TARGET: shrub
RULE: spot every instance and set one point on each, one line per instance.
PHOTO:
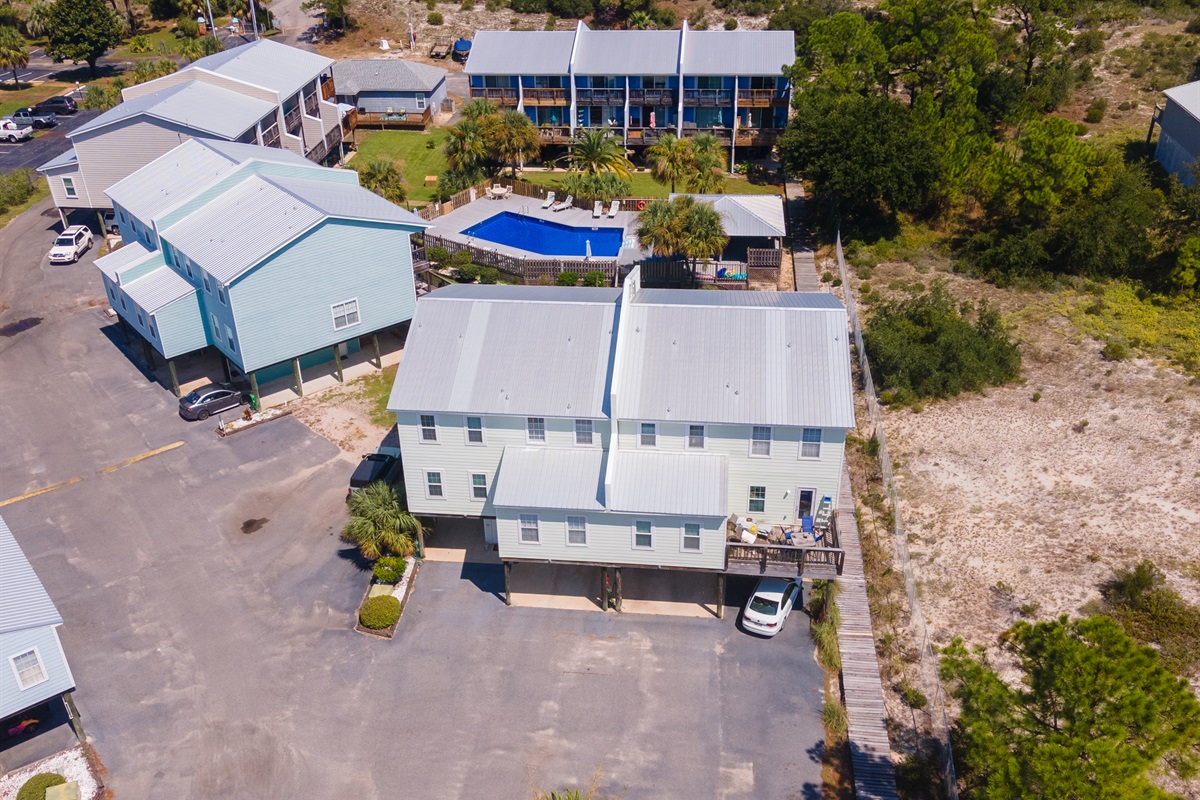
(1095, 112)
(551, 22)
(438, 255)
(1088, 42)
(1150, 611)
(594, 278)
(1036, 396)
(139, 44)
(467, 5)
(1116, 350)
(16, 187)
(389, 569)
(836, 282)
(924, 346)
(730, 24)
(912, 696)
(379, 612)
(1193, 26)
(826, 276)
(435, 18)
(568, 279)
(833, 716)
(35, 788)
(489, 275)
(186, 28)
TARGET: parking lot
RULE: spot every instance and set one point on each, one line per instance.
(209, 603)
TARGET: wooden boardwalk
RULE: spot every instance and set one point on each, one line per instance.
(804, 262)
(870, 752)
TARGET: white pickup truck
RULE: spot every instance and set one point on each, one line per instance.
(12, 132)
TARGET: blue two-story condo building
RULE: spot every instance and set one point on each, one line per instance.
(639, 83)
(274, 261)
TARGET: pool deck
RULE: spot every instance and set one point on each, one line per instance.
(451, 226)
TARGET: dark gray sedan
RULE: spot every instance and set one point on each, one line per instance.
(208, 400)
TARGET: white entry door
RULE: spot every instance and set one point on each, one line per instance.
(489, 530)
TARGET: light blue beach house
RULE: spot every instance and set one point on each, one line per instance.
(277, 263)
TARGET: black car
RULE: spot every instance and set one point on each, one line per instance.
(208, 400)
(59, 105)
(373, 467)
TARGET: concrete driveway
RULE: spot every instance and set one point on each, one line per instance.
(209, 603)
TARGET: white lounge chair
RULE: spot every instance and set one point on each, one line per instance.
(549, 200)
(564, 205)
(614, 208)
(598, 210)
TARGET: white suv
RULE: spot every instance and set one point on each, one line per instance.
(71, 244)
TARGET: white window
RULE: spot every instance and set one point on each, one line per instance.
(187, 267)
(758, 499)
(691, 537)
(433, 485)
(760, 441)
(583, 431)
(141, 321)
(229, 338)
(345, 314)
(478, 486)
(420, 102)
(695, 437)
(810, 443)
(207, 287)
(221, 293)
(428, 428)
(577, 531)
(216, 326)
(474, 430)
(69, 187)
(643, 534)
(649, 435)
(529, 529)
(28, 668)
(535, 429)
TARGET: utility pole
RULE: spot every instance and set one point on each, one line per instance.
(212, 23)
(254, 18)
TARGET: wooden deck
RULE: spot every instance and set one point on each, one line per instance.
(804, 261)
(870, 751)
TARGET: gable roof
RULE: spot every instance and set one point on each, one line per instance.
(740, 52)
(67, 158)
(125, 256)
(182, 171)
(279, 67)
(757, 215)
(1186, 97)
(216, 236)
(24, 602)
(520, 53)
(542, 351)
(192, 104)
(356, 75)
(623, 52)
(158, 288)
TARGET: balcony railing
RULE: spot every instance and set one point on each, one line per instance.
(405, 120)
(291, 121)
(756, 137)
(762, 98)
(652, 97)
(823, 560)
(554, 134)
(270, 136)
(600, 97)
(546, 97)
(708, 98)
(310, 105)
(327, 89)
(504, 97)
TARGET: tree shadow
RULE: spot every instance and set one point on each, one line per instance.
(355, 557)
(487, 578)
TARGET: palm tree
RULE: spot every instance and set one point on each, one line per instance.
(384, 179)
(670, 160)
(37, 19)
(479, 108)
(707, 165)
(595, 150)
(465, 145)
(640, 20)
(380, 522)
(702, 232)
(514, 138)
(658, 228)
(14, 54)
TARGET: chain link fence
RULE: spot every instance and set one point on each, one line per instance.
(937, 713)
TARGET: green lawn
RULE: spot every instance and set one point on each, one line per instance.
(40, 193)
(645, 186)
(165, 36)
(411, 152)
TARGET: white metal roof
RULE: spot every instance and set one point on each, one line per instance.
(158, 288)
(279, 67)
(762, 53)
(196, 105)
(356, 75)
(170, 178)
(520, 53)
(735, 364)
(689, 297)
(627, 52)
(668, 483)
(540, 353)
(756, 215)
(121, 259)
(67, 158)
(547, 477)
(1186, 97)
(24, 602)
(236, 230)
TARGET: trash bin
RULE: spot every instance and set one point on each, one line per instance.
(254, 402)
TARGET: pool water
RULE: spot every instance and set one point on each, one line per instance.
(547, 238)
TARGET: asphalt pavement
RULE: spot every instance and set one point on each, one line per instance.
(47, 144)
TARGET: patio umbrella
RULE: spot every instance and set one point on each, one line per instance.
(587, 246)
(653, 118)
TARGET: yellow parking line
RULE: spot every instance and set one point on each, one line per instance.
(36, 492)
(136, 459)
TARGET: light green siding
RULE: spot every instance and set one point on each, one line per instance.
(181, 326)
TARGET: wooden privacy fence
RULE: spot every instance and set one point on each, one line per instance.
(527, 270)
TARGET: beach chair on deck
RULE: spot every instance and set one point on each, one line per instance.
(598, 210)
(564, 205)
(549, 200)
(612, 210)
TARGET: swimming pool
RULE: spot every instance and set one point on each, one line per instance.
(547, 238)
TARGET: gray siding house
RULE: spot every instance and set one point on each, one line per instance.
(1179, 131)
(626, 427)
(257, 252)
(389, 85)
(262, 93)
(36, 668)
